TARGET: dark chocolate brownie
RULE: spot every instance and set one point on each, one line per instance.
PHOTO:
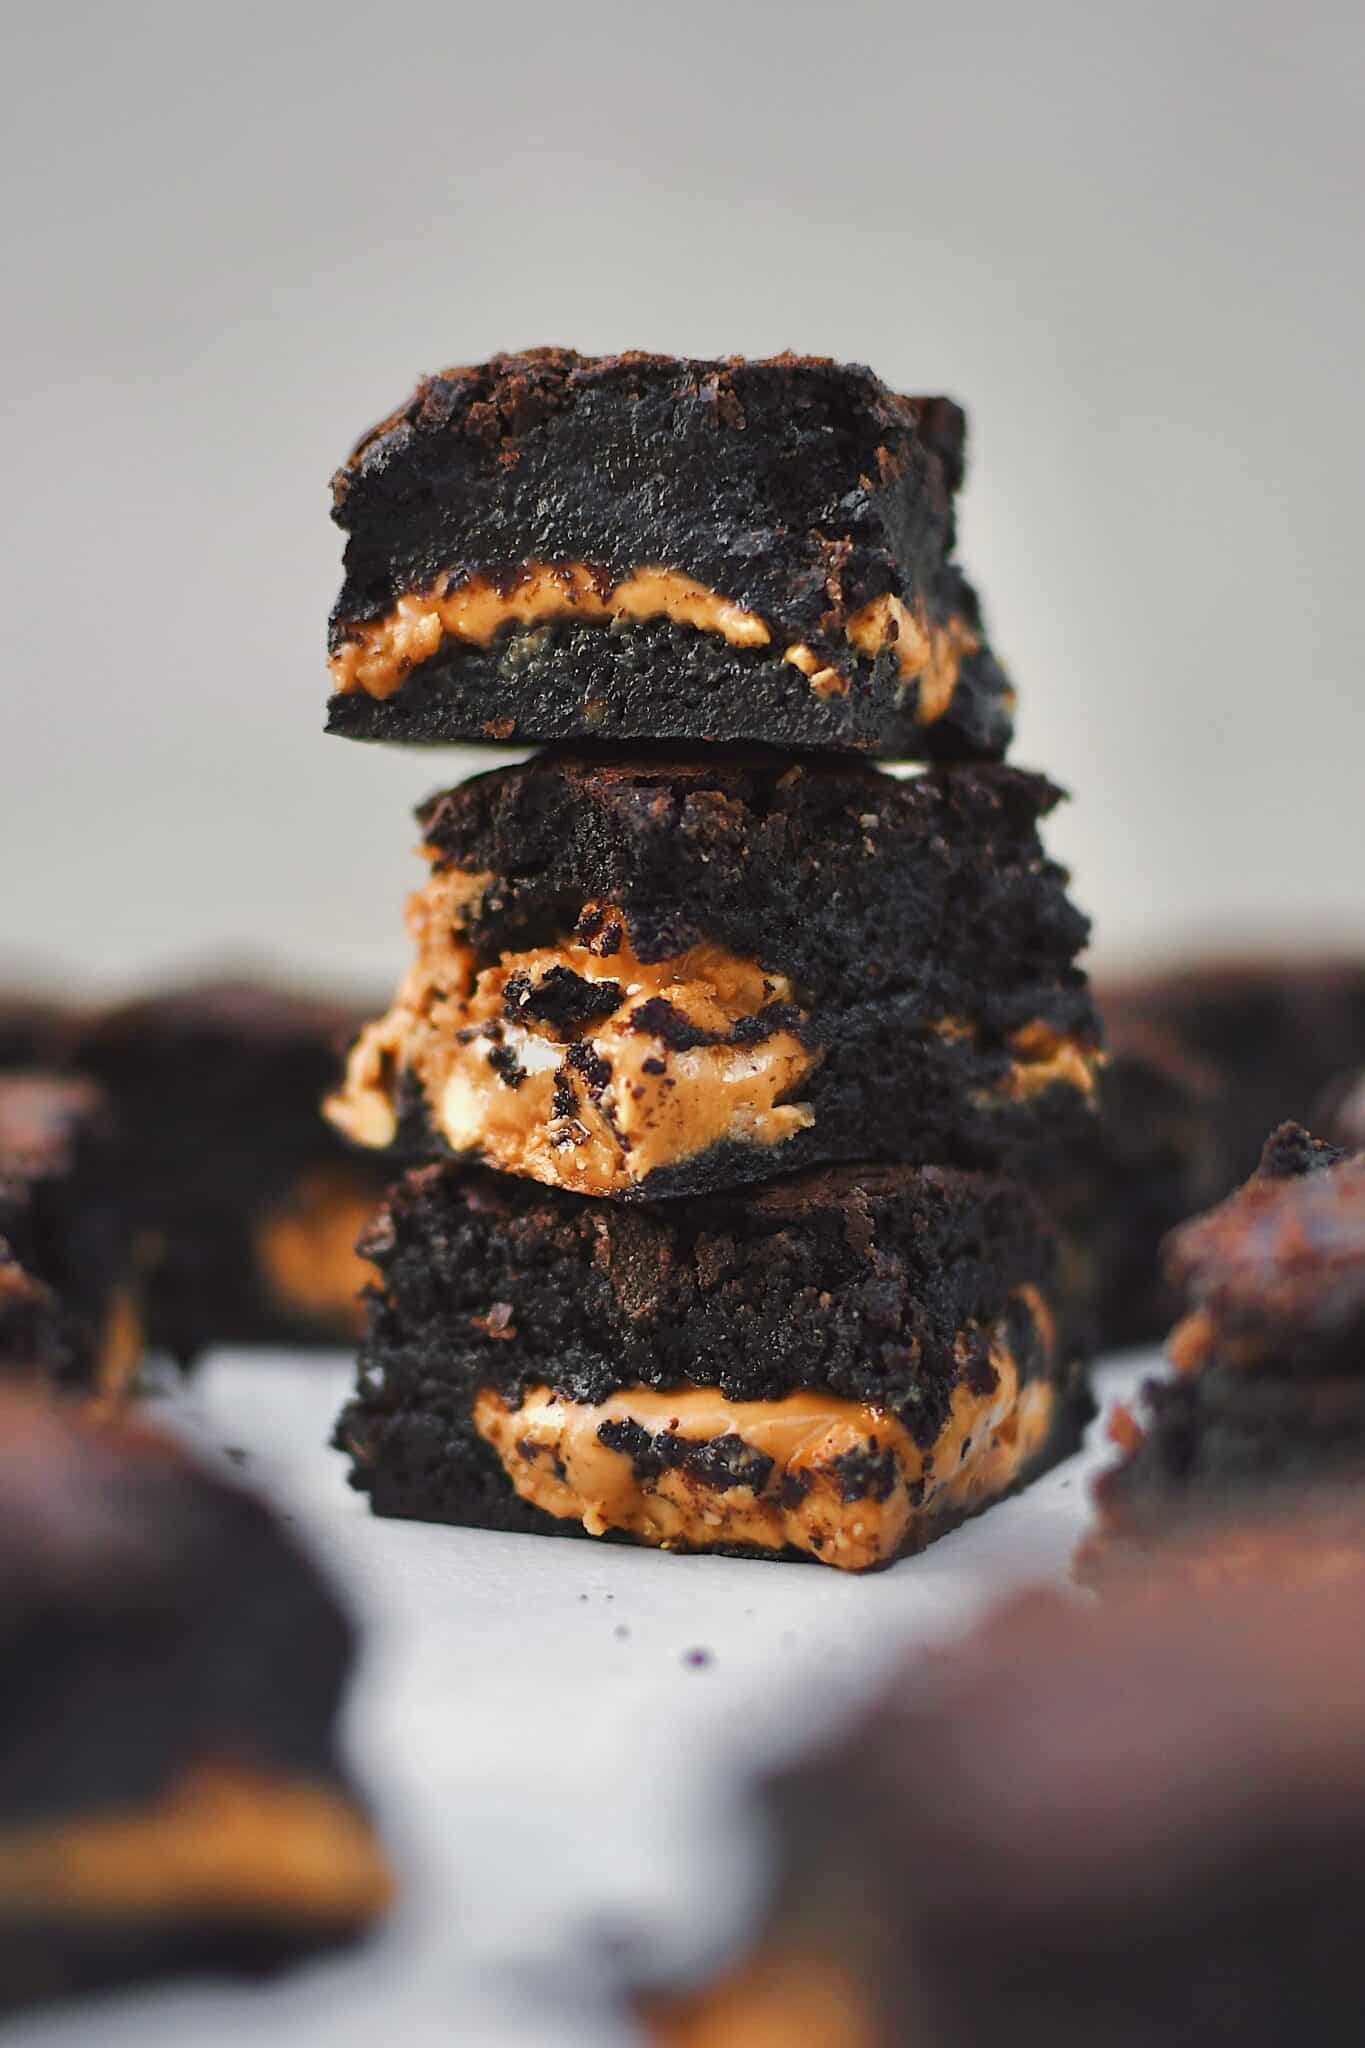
(1269, 1393)
(838, 1365)
(641, 976)
(1274, 1033)
(551, 546)
(246, 1204)
(67, 1311)
(171, 1793)
(1093, 1823)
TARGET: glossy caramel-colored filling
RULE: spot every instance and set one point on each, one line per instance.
(380, 654)
(596, 1106)
(793, 1458)
(224, 1839)
(306, 1250)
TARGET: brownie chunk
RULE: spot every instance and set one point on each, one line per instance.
(1269, 1393)
(246, 1204)
(171, 1794)
(806, 961)
(67, 1307)
(1092, 1823)
(839, 1365)
(551, 546)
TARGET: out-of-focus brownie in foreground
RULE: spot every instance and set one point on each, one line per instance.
(551, 546)
(1111, 1824)
(171, 1795)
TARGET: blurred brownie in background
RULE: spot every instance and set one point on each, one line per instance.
(1201, 1061)
(1268, 1397)
(1091, 1823)
(1272, 1032)
(37, 1031)
(68, 1311)
(1149, 1159)
(245, 1204)
(171, 1791)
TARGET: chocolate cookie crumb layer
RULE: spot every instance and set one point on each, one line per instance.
(549, 546)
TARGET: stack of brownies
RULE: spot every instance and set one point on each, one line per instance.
(726, 1058)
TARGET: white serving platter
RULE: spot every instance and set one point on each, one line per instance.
(560, 1781)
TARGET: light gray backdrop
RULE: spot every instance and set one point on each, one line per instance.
(1129, 237)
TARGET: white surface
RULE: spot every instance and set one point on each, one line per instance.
(552, 1775)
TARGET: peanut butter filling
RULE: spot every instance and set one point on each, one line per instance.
(225, 1839)
(381, 654)
(1042, 1058)
(780, 1997)
(306, 1250)
(689, 1470)
(578, 1064)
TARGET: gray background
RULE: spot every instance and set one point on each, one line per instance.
(1128, 237)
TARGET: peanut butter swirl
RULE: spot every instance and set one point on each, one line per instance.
(380, 654)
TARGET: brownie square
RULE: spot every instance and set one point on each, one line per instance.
(171, 1791)
(246, 1204)
(550, 546)
(67, 1303)
(838, 1366)
(646, 977)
